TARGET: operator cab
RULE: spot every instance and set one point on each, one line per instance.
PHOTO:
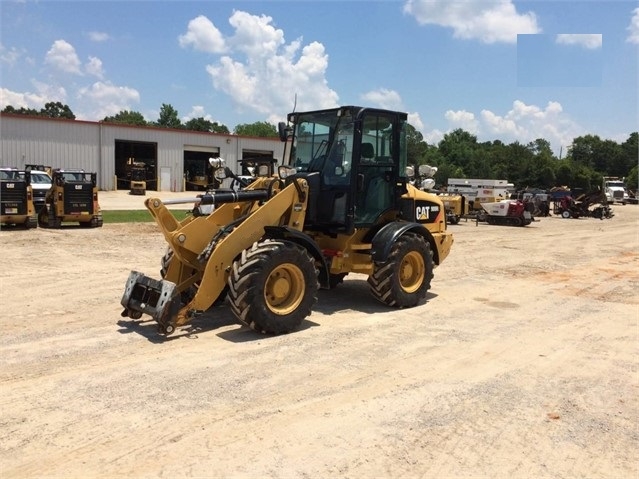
(355, 161)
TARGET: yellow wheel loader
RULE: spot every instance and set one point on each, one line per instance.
(73, 197)
(16, 198)
(340, 203)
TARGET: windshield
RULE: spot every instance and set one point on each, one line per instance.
(40, 178)
(615, 184)
(11, 175)
(322, 136)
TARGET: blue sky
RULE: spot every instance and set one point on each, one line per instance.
(502, 70)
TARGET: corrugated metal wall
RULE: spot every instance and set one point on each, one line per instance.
(53, 143)
(91, 146)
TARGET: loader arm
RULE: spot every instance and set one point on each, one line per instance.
(161, 298)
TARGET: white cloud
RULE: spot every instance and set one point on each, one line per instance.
(62, 56)
(391, 100)
(9, 56)
(203, 36)
(98, 36)
(416, 121)
(43, 93)
(633, 28)
(197, 111)
(523, 123)
(21, 99)
(383, 98)
(591, 41)
(433, 137)
(462, 119)
(105, 99)
(260, 71)
(94, 67)
(255, 35)
(486, 21)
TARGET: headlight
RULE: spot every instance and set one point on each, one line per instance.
(285, 171)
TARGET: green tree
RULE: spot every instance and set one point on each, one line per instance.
(416, 147)
(57, 110)
(630, 152)
(168, 117)
(201, 124)
(564, 174)
(50, 110)
(21, 111)
(458, 147)
(126, 117)
(262, 129)
(632, 180)
(583, 148)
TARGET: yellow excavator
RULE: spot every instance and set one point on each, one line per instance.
(341, 203)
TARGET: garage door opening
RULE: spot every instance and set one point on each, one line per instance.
(198, 173)
(128, 153)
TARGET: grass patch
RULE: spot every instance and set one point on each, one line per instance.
(135, 216)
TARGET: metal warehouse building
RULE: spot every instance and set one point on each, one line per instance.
(176, 160)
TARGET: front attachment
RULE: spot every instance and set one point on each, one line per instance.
(157, 298)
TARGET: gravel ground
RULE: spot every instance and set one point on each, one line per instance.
(521, 363)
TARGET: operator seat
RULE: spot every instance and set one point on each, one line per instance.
(367, 152)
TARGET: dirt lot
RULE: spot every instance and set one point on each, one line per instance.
(522, 363)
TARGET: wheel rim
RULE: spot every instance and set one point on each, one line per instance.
(411, 272)
(284, 289)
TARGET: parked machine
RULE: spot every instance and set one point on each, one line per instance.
(507, 213)
(138, 178)
(456, 207)
(593, 204)
(341, 203)
(615, 190)
(16, 198)
(73, 197)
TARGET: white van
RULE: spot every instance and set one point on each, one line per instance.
(40, 184)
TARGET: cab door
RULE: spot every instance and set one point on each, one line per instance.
(377, 168)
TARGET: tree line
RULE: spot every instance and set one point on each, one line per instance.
(458, 155)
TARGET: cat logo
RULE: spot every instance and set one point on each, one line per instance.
(422, 213)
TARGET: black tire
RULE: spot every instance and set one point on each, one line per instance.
(404, 278)
(273, 286)
(47, 217)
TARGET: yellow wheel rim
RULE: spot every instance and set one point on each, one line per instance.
(284, 289)
(412, 272)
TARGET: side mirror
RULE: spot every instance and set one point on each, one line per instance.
(283, 130)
